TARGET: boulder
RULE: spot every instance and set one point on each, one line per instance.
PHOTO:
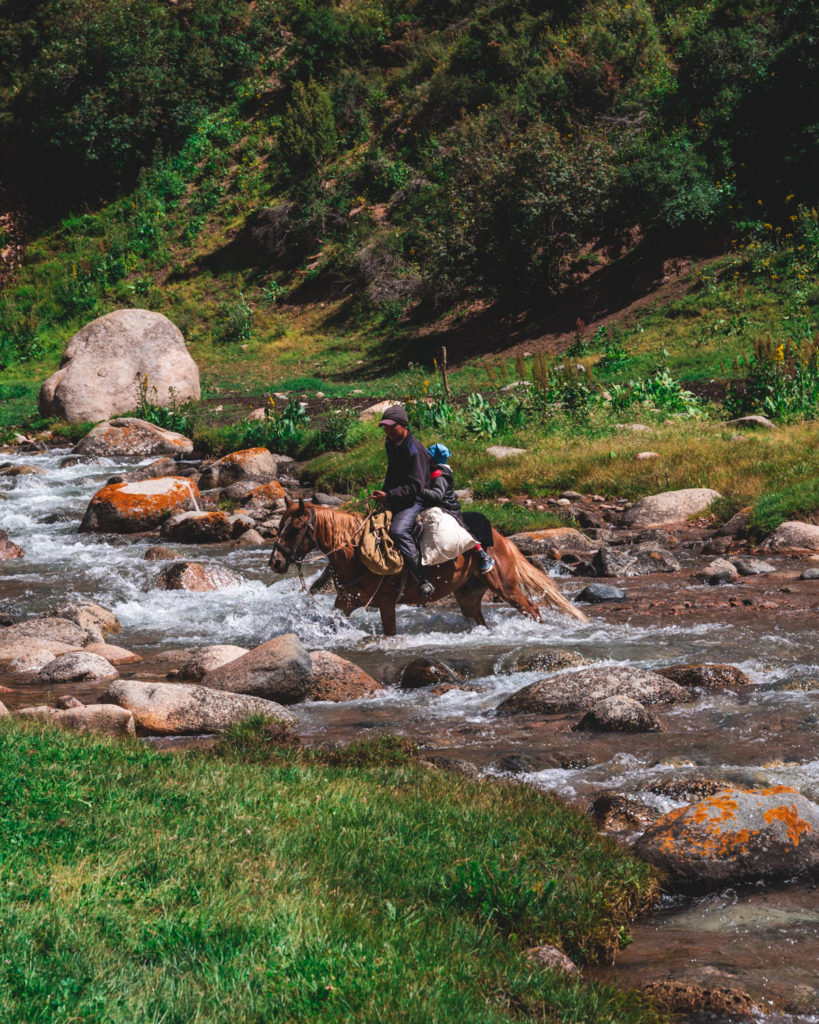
(248, 464)
(198, 527)
(737, 836)
(639, 561)
(8, 549)
(710, 677)
(702, 1001)
(186, 709)
(3, 710)
(809, 574)
(193, 576)
(131, 436)
(792, 536)
(618, 714)
(90, 616)
(279, 670)
(646, 456)
(669, 507)
(504, 451)
(158, 553)
(75, 667)
(737, 525)
(133, 508)
(113, 655)
(30, 655)
(373, 413)
(720, 570)
(251, 539)
(753, 422)
(105, 719)
(551, 660)
(600, 593)
(108, 362)
(752, 566)
(336, 679)
(239, 491)
(616, 812)
(265, 500)
(159, 467)
(578, 691)
(553, 959)
(49, 629)
(561, 539)
(425, 672)
(207, 659)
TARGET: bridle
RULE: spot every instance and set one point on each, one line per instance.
(293, 556)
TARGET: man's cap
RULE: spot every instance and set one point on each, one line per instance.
(394, 414)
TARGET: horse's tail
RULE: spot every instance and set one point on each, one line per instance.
(535, 583)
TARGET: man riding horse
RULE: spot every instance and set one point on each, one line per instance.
(407, 477)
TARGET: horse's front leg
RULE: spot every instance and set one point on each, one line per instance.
(387, 609)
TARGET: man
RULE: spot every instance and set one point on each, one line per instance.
(404, 484)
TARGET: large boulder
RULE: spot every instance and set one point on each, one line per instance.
(669, 507)
(50, 629)
(208, 658)
(90, 616)
(737, 836)
(279, 670)
(618, 714)
(212, 527)
(168, 709)
(8, 549)
(248, 464)
(136, 507)
(107, 363)
(336, 679)
(578, 691)
(105, 719)
(113, 654)
(27, 655)
(193, 576)
(78, 666)
(131, 436)
(793, 536)
(562, 539)
(710, 677)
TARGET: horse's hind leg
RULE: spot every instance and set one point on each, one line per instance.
(469, 598)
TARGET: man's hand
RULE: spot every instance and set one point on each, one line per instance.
(378, 496)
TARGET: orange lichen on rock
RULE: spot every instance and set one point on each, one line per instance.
(130, 507)
(786, 813)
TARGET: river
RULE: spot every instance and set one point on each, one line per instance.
(765, 942)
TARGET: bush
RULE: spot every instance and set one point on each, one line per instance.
(236, 319)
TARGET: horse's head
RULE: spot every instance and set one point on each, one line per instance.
(296, 536)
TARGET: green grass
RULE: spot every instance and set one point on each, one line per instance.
(510, 517)
(262, 886)
(794, 501)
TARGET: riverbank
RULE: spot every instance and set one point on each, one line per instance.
(261, 884)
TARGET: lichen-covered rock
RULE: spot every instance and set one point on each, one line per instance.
(168, 709)
(196, 577)
(265, 501)
(136, 507)
(248, 464)
(107, 362)
(614, 562)
(128, 435)
(578, 691)
(279, 670)
(669, 507)
(736, 836)
(425, 672)
(549, 660)
(76, 667)
(207, 659)
(336, 679)
(8, 549)
(198, 527)
(616, 812)
(793, 536)
(90, 616)
(47, 629)
(618, 714)
(27, 655)
(710, 677)
(562, 539)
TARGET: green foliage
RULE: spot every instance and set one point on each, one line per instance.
(510, 517)
(660, 391)
(180, 417)
(794, 501)
(504, 895)
(308, 131)
(336, 433)
(236, 321)
(782, 382)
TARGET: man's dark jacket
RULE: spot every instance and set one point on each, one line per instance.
(407, 473)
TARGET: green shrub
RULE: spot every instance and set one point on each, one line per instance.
(235, 321)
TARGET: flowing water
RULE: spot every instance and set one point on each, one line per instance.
(766, 942)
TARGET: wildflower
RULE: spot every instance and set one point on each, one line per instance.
(779, 354)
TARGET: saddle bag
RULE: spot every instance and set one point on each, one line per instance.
(443, 538)
(377, 549)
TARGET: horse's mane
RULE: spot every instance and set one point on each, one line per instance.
(334, 528)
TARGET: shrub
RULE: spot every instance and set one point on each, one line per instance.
(308, 132)
(236, 321)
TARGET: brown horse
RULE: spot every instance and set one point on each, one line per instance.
(305, 526)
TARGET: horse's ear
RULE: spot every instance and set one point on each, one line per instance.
(301, 504)
(288, 504)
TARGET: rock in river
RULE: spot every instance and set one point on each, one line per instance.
(425, 672)
(134, 508)
(168, 709)
(8, 549)
(131, 436)
(562, 539)
(738, 836)
(600, 593)
(107, 362)
(618, 714)
(248, 464)
(793, 536)
(207, 659)
(336, 679)
(578, 691)
(196, 577)
(279, 670)
(76, 667)
(710, 677)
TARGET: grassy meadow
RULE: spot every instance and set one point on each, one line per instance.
(261, 884)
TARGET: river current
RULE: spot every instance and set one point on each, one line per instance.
(765, 942)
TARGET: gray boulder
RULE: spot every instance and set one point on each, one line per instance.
(636, 562)
(207, 659)
(425, 672)
(90, 616)
(752, 566)
(562, 539)
(109, 360)
(549, 660)
(793, 536)
(553, 959)
(131, 436)
(736, 836)
(579, 691)
(618, 714)
(669, 507)
(49, 628)
(76, 667)
(810, 574)
(27, 655)
(753, 422)
(249, 464)
(600, 593)
(709, 677)
(212, 527)
(279, 670)
(168, 709)
(616, 812)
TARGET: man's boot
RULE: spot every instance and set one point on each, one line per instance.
(413, 564)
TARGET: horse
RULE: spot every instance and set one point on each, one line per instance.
(305, 526)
